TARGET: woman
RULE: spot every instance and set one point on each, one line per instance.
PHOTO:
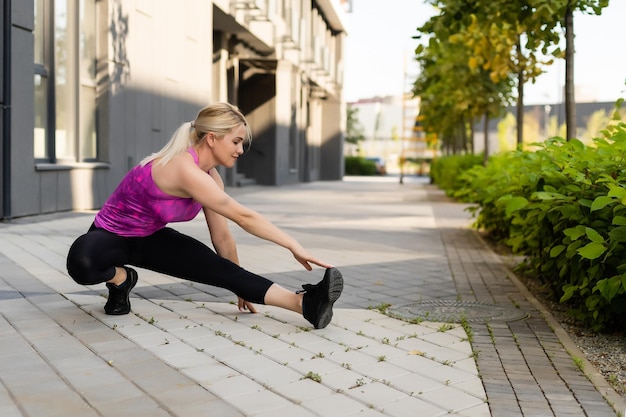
(173, 185)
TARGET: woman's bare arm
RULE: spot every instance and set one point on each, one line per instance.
(203, 188)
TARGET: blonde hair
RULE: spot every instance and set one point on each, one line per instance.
(219, 118)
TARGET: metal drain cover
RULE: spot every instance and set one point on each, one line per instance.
(451, 311)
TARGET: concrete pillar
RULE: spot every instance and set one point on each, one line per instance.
(285, 106)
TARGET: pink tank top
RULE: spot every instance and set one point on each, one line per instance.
(138, 207)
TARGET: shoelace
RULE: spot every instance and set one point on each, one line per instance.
(307, 287)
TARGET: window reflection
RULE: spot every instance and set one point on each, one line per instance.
(41, 116)
(87, 47)
(65, 80)
(64, 146)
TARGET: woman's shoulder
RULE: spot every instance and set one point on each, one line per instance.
(182, 177)
(182, 160)
(171, 174)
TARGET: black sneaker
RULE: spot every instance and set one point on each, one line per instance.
(317, 304)
(119, 297)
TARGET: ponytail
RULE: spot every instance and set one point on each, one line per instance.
(180, 142)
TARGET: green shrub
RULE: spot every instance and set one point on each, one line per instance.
(445, 171)
(563, 207)
(357, 165)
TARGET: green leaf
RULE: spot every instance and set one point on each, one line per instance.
(601, 202)
(591, 303)
(549, 189)
(574, 232)
(568, 292)
(568, 211)
(572, 248)
(593, 235)
(619, 221)
(618, 192)
(576, 144)
(610, 287)
(514, 204)
(573, 188)
(618, 234)
(556, 251)
(547, 196)
(592, 250)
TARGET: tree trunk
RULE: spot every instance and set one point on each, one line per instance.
(486, 156)
(463, 136)
(520, 109)
(570, 99)
(472, 137)
(520, 97)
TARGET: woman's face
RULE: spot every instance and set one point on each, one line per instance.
(227, 149)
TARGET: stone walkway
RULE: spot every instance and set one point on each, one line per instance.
(185, 350)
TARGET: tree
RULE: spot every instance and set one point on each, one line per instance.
(453, 95)
(354, 129)
(520, 37)
(505, 38)
(499, 42)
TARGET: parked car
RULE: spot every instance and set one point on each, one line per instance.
(381, 169)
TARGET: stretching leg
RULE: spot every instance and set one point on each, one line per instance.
(98, 256)
(281, 297)
(173, 253)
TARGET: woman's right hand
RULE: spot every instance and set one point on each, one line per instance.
(306, 260)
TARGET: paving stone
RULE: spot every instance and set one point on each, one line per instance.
(261, 401)
(302, 390)
(186, 350)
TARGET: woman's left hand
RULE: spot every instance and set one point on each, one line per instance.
(245, 305)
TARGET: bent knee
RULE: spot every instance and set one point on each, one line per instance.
(92, 257)
(82, 270)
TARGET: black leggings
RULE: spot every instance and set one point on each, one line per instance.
(93, 257)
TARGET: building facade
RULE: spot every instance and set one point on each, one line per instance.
(90, 87)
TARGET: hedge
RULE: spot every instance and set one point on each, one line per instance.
(563, 207)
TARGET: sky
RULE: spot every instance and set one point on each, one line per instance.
(379, 52)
